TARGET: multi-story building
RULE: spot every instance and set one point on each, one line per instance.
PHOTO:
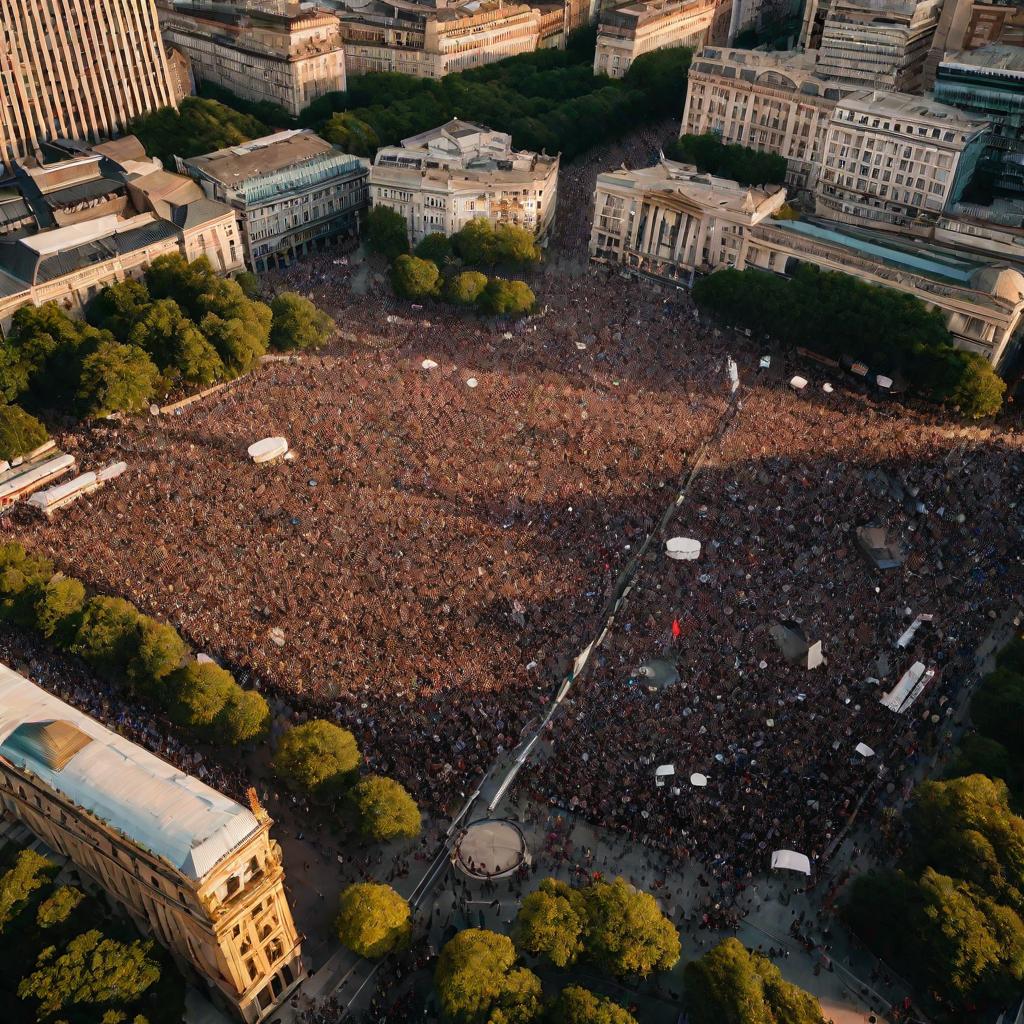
(989, 83)
(70, 227)
(669, 221)
(444, 178)
(429, 42)
(891, 160)
(971, 24)
(199, 870)
(981, 299)
(294, 193)
(633, 29)
(878, 44)
(289, 57)
(76, 69)
(773, 102)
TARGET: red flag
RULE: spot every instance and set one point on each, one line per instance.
(676, 629)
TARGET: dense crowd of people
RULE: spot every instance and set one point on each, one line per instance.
(427, 568)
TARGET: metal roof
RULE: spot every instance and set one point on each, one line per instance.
(151, 803)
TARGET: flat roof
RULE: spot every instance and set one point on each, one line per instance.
(994, 57)
(259, 157)
(147, 800)
(905, 104)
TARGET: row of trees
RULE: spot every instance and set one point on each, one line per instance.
(322, 759)
(433, 272)
(740, 163)
(182, 325)
(146, 656)
(63, 956)
(837, 315)
(951, 916)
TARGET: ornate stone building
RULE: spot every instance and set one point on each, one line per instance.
(197, 869)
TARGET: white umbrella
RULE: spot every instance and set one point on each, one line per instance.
(864, 750)
(472, 382)
(428, 364)
(267, 449)
(696, 779)
(799, 383)
(682, 549)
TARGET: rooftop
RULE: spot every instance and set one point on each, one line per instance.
(905, 104)
(260, 157)
(994, 57)
(151, 803)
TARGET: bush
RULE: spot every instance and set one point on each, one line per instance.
(373, 920)
(414, 278)
(741, 163)
(507, 298)
(437, 248)
(466, 288)
(297, 323)
(386, 811)
(19, 432)
(317, 757)
(386, 233)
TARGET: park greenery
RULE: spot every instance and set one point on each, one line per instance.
(386, 810)
(739, 163)
(373, 920)
(950, 915)
(837, 315)
(434, 272)
(317, 757)
(20, 432)
(66, 959)
(576, 1005)
(182, 326)
(145, 656)
(730, 985)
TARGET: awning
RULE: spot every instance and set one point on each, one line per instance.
(790, 860)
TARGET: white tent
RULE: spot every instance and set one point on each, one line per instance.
(428, 364)
(791, 861)
(682, 549)
(696, 779)
(661, 771)
(111, 472)
(267, 449)
(827, 388)
(883, 382)
(472, 382)
(798, 383)
(864, 750)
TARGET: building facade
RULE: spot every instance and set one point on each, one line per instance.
(444, 178)
(669, 221)
(71, 227)
(633, 29)
(289, 58)
(891, 160)
(773, 102)
(430, 43)
(76, 69)
(196, 868)
(293, 192)
(989, 83)
(878, 44)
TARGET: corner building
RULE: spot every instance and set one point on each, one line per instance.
(197, 868)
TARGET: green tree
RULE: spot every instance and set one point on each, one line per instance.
(626, 932)
(729, 985)
(550, 923)
(386, 232)
(297, 323)
(476, 978)
(197, 126)
(31, 871)
(979, 390)
(58, 609)
(317, 757)
(57, 908)
(91, 971)
(351, 134)
(19, 432)
(108, 632)
(117, 378)
(249, 283)
(414, 278)
(159, 652)
(576, 1005)
(23, 578)
(236, 326)
(979, 755)
(435, 247)
(1011, 657)
(466, 288)
(661, 76)
(244, 717)
(507, 298)
(119, 307)
(513, 244)
(175, 344)
(386, 810)
(199, 692)
(373, 920)
(997, 709)
(745, 165)
(474, 243)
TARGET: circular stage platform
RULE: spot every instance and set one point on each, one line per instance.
(490, 849)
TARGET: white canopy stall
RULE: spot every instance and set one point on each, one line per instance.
(790, 860)
(268, 449)
(682, 549)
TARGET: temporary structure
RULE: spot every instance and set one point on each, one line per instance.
(428, 364)
(268, 449)
(790, 860)
(864, 750)
(111, 472)
(798, 383)
(682, 549)
(696, 779)
(661, 771)
(53, 498)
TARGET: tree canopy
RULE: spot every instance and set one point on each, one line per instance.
(729, 985)
(465, 289)
(576, 1005)
(997, 708)
(550, 923)
(436, 247)
(197, 126)
(507, 298)
(481, 243)
(662, 76)
(31, 871)
(373, 920)
(351, 134)
(386, 810)
(317, 757)
(414, 278)
(477, 979)
(386, 232)
(297, 323)
(19, 432)
(59, 906)
(727, 160)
